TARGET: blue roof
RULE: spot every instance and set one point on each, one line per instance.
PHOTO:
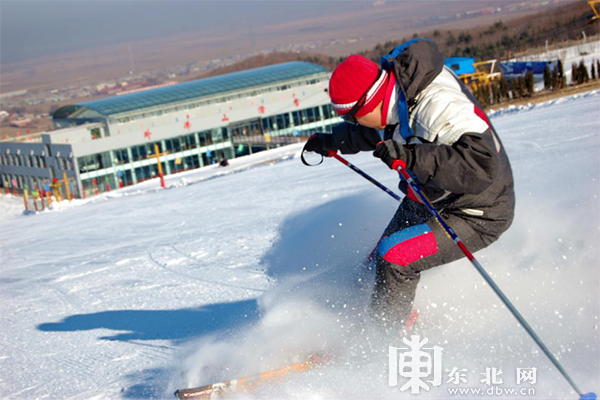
(197, 89)
(461, 65)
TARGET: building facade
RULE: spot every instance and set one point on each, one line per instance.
(109, 143)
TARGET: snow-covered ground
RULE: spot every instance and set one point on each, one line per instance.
(239, 269)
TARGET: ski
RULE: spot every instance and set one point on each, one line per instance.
(247, 384)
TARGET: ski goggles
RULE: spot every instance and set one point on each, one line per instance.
(350, 116)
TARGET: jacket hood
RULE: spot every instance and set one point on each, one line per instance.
(416, 63)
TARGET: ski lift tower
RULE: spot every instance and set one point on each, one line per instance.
(596, 16)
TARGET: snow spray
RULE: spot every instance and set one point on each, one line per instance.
(400, 167)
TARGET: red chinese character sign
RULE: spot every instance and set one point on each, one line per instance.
(225, 118)
(148, 134)
(187, 125)
(297, 102)
(261, 109)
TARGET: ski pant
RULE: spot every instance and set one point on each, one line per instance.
(414, 242)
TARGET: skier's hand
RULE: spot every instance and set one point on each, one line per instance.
(392, 153)
(320, 143)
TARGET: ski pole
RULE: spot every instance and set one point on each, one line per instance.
(363, 174)
(415, 187)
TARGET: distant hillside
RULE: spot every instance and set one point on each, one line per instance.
(263, 60)
(500, 40)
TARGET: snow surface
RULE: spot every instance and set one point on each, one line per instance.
(235, 270)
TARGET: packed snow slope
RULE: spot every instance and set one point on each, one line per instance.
(240, 269)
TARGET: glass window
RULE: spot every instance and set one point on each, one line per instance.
(138, 152)
(121, 156)
(150, 148)
(104, 160)
(177, 144)
(266, 125)
(188, 142)
(280, 122)
(318, 114)
(217, 135)
(205, 138)
(88, 163)
(128, 178)
(95, 133)
(296, 118)
(310, 115)
(81, 161)
(88, 186)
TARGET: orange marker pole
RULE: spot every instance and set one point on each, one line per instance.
(33, 196)
(41, 200)
(160, 171)
(40, 196)
(66, 185)
(25, 200)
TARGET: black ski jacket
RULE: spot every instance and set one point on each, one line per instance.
(455, 154)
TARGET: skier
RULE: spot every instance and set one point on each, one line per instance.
(414, 112)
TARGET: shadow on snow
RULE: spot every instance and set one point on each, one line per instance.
(174, 325)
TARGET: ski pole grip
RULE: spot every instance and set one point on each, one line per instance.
(398, 165)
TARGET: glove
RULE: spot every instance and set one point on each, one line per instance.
(392, 153)
(320, 143)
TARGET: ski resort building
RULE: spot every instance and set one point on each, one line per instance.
(109, 143)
